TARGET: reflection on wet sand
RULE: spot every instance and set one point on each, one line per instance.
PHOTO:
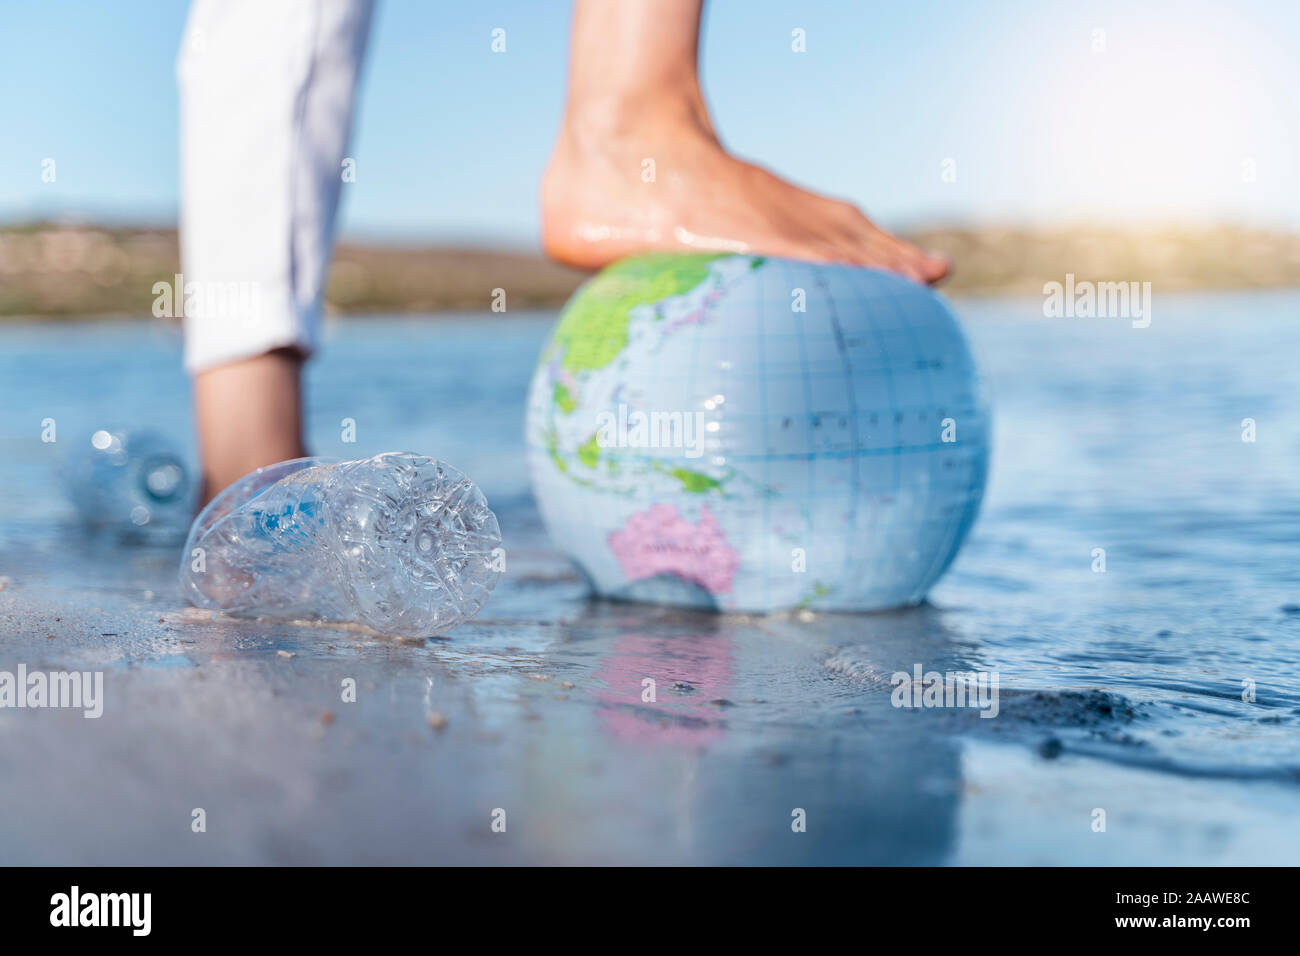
(744, 731)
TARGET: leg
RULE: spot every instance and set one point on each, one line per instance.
(249, 414)
(634, 94)
(267, 95)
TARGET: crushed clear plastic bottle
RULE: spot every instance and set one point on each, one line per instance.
(134, 483)
(402, 543)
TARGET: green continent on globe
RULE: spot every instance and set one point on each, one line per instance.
(696, 482)
(593, 330)
(564, 399)
(589, 452)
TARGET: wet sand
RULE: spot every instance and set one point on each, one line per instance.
(542, 715)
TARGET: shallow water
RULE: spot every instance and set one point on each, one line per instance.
(1120, 690)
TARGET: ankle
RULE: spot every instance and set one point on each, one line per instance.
(597, 120)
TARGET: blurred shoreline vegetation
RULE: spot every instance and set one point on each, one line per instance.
(76, 271)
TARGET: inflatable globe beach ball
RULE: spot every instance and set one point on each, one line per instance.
(755, 434)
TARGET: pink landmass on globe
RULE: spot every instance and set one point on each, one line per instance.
(660, 541)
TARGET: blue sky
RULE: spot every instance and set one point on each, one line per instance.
(1191, 113)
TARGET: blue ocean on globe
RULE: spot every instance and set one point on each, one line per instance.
(756, 434)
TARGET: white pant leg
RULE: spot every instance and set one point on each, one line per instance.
(267, 90)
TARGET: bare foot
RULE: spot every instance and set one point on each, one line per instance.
(667, 183)
(638, 165)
